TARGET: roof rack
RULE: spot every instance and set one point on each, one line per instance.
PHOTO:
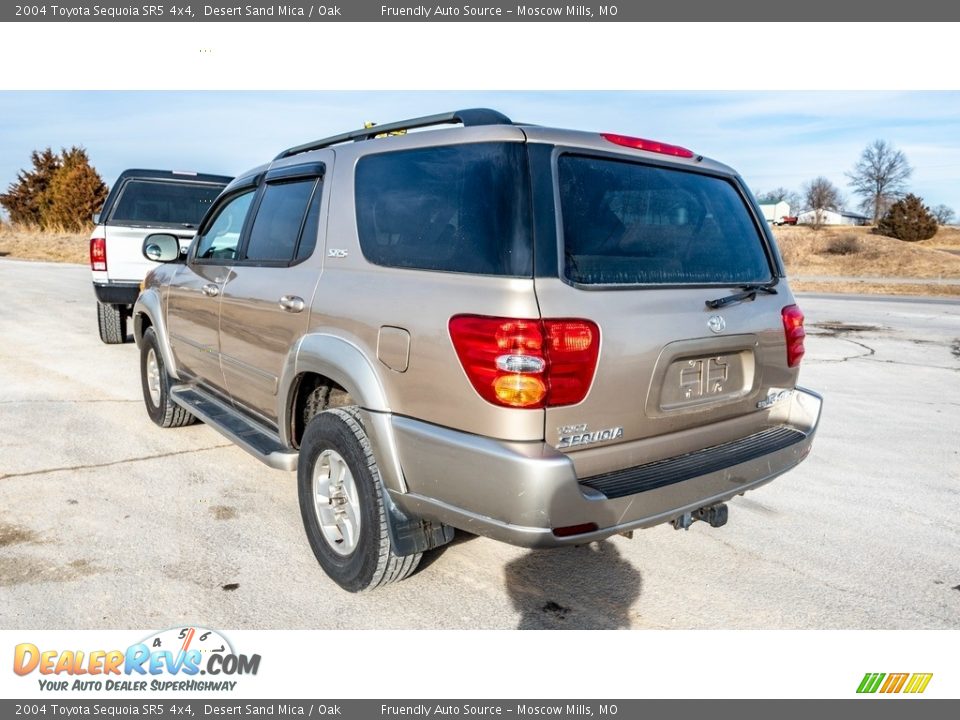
(468, 118)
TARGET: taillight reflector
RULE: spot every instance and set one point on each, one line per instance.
(98, 254)
(793, 333)
(571, 530)
(527, 363)
(648, 145)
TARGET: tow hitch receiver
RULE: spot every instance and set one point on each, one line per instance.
(714, 516)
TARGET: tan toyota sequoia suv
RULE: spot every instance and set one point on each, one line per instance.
(542, 336)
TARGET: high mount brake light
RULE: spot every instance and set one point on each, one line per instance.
(648, 145)
(527, 363)
(793, 333)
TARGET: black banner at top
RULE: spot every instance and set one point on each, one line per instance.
(812, 11)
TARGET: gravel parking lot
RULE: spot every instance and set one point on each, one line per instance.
(107, 521)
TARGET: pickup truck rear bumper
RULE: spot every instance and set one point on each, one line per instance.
(119, 293)
(528, 494)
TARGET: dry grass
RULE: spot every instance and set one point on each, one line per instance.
(946, 237)
(868, 287)
(30, 244)
(842, 252)
(855, 252)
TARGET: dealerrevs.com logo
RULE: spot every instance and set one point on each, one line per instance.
(168, 660)
(909, 683)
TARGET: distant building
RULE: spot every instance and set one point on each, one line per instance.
(833, 217)
(772, 212)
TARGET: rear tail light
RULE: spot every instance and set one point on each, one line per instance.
(648, 145)
(98, 254)
(793, 333)
(527, 363)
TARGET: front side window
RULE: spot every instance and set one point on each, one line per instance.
(221, 237)
(459, 208)
(627, 223)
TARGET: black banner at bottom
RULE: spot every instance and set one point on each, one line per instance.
(875, 708)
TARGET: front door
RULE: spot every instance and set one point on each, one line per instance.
(193, 303)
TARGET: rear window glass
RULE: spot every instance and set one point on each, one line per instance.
(462, 208)
(276, 228)
(626, 223)
(147, 202)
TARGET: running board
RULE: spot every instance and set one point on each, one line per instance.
(248, 434)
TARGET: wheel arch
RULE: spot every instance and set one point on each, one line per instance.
(323, 358)
(147, 313)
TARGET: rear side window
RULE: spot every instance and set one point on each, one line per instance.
(279, 221)
(626, 223)
(461, 208)
(159, 203)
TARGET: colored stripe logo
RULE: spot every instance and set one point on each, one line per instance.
(913, 683)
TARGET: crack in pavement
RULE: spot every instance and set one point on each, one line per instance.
(8, 476)
(869, 357)
(779, 563)
(870, 351)
(901, 362)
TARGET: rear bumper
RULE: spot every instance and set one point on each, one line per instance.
(117, 293)
(521, 492)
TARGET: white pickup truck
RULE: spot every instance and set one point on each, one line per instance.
(141, 202)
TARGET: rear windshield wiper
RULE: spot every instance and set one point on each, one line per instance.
(747, 292)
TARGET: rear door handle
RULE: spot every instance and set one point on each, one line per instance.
(210, 290)
(292, 303)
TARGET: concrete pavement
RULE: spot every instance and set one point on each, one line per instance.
(107, 521)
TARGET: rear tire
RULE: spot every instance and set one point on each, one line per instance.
(341, 502)
(112, 322)
(156, 386)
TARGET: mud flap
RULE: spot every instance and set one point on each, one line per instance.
(409, 535)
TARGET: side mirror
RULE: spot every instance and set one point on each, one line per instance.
(161, 247)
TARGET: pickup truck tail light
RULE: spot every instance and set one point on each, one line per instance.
(98, 254)
(527, 363)
(793, 333)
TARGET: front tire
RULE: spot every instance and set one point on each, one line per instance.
(112, 323)
(156, 386)
(341, 502)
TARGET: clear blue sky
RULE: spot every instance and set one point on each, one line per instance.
(772, 138)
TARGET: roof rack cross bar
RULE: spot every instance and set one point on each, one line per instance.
(470, 117)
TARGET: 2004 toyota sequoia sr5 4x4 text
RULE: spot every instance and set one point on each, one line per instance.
(542, 336)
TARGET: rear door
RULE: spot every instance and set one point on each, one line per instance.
(146, 205)
(267, 296)
(642, 247)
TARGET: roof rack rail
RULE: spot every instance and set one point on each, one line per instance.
(468, 118)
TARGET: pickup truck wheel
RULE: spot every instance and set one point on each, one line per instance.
(112, 322)
(156, 386)
(341, 501)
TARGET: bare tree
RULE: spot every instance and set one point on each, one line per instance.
(780, 194)
(944, 214)
(821, 195)
(879, 177)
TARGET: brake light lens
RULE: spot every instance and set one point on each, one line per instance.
(648, 145)
(527, 363)
(793, 333)
(98, 254)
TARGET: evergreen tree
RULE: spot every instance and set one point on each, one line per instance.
(908, 219)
